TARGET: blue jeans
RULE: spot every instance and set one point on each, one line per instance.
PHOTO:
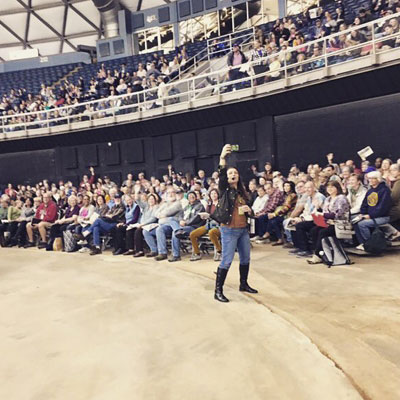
(150, 238)
(288, 233)
(363, 228)
(98, 228)
(232, 239)
(176, 244)
(157, 238)
(261, 225)
(274, 227)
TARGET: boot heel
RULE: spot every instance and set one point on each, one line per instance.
(219, 284)
(244, 273)
(220, 297)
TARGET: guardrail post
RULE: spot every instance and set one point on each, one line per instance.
(285, 70)
(374, 56)
(324, 47)
(218, 88)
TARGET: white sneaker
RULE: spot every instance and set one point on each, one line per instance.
(217, 256)
(360, 247)
(84, 250)
(82, 242)
(255, 238)
(195, 257)
(263, 241)
(314, 260)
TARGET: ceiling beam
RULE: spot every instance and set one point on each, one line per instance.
(19, 38)
(64, 25)
(45, 23)
(28, 20)
(20, 10)
(48, 40)
(84, 17)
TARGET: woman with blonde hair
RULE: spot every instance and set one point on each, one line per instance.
(314, 177)
(385, 167)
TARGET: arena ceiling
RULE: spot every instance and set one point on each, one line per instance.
(54, 26)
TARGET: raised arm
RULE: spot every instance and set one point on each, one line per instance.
(223, 179)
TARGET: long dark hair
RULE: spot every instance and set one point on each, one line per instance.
(209, 195)
(240, 186)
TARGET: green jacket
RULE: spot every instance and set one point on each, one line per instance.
(3, 213)
(13, 213)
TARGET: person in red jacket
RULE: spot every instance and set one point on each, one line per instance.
(45, 216)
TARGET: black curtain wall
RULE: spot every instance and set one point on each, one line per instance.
(297, 126)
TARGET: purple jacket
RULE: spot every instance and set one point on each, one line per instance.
(337, 208)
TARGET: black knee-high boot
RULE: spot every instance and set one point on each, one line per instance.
(244, 273)
(219, 284)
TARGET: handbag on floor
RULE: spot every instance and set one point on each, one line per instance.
(70, 244)
(376, 244)
(343, 229)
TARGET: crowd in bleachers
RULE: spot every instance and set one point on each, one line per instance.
(132, 75)
(281, 44)
(142, 215)
(104, 84)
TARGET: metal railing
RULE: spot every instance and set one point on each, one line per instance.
(336, 54)
(224, 44)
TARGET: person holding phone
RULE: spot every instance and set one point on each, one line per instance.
(232, 212)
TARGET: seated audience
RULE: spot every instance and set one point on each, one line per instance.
(280, 211)
(190, 221)
(123, 236)
(336, 208)
(169, 212)
(9, 228)
(18, 237)
(375, 208)
(275, 199)
(211, 227)
(3, 218)
(298, 209)
(257, 207)
(86, 212)
(62, 224)
(105, 224)
(356, 193)
(149, 209)
(305, 222)
(275, 219)
(46, 215)
(394, 182)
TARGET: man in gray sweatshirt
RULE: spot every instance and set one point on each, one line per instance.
(190, 221)
(169, 212)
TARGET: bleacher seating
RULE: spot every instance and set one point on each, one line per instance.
(31, 79)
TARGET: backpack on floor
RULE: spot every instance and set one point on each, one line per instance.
(70, 244)
(376, 244)
(333, 253)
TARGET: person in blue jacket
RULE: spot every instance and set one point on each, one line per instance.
(375, 207)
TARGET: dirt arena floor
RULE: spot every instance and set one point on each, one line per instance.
(76, 327)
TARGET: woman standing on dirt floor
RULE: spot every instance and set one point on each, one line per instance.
(232, 212)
